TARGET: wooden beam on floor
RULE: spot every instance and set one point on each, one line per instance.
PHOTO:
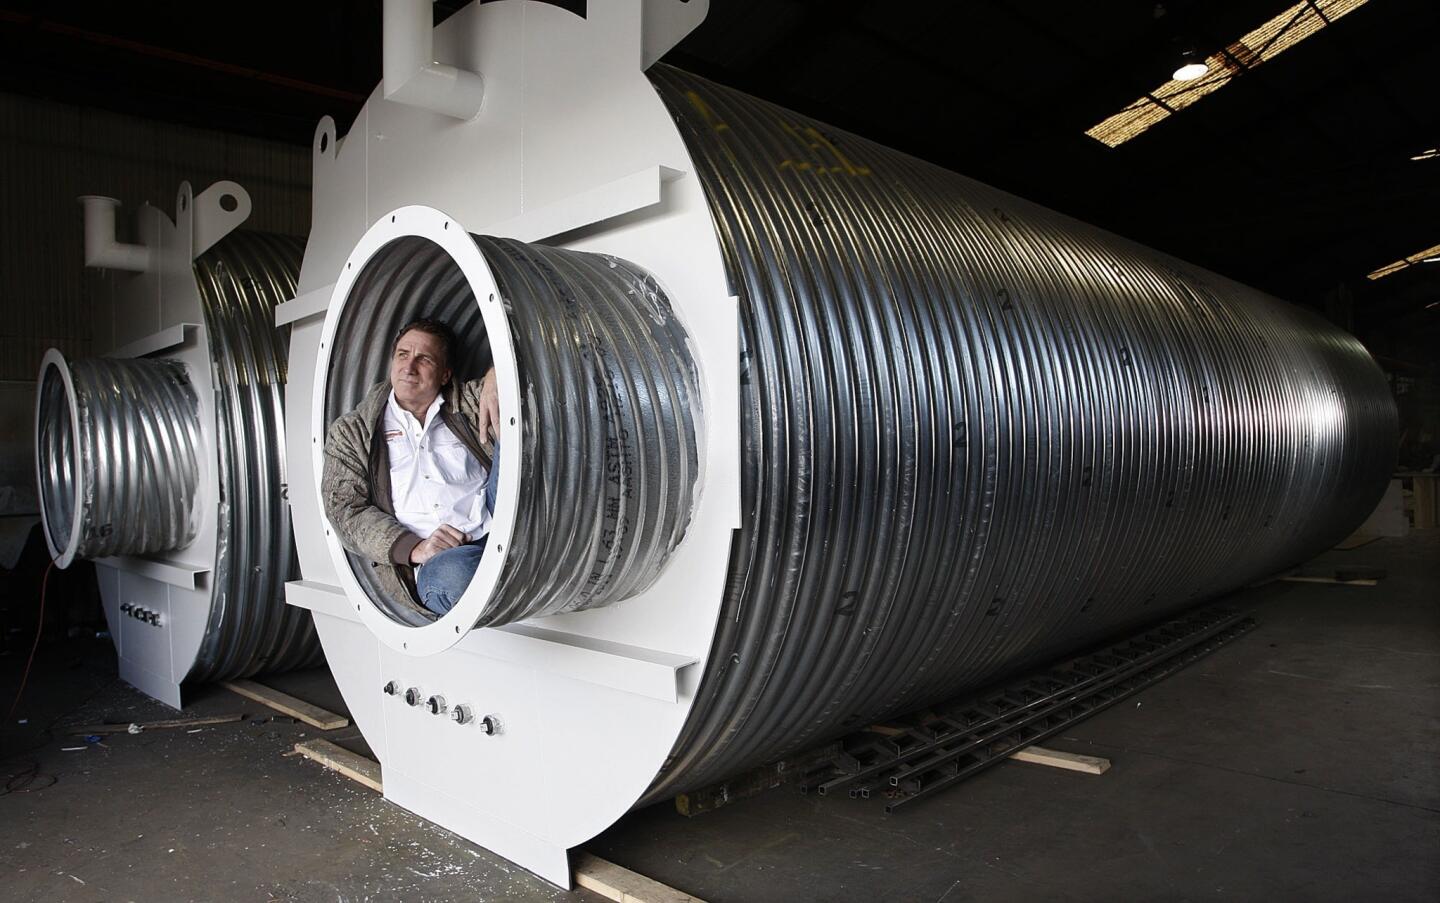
(607, 879)
(351, 765)
(142, 726)
(1310, 578)
(887, 730)
(286, 704)
(614, 882)
(1055, 758)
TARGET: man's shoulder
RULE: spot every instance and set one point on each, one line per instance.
(360, 420)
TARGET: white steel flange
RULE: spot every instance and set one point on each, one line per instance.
(54, 360)
(451, 236)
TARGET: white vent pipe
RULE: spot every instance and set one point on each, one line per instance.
(411, 74)
(101, 248)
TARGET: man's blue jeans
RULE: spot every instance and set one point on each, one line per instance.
(443, 579)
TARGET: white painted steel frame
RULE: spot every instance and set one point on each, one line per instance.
(572, 147)
(159, 311)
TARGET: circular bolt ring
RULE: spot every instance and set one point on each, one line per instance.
(461, 714)
(391, 689)
(413, 696)
(436, 704)
(488, 725)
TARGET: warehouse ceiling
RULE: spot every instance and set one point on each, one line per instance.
(1297, 177)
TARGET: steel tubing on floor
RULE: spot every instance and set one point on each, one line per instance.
(978, 434)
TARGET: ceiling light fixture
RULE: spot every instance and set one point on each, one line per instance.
(1190, 71)
(1259, 46)
(1429, 255)
(1192, 66)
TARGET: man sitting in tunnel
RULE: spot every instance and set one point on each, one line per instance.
(410, 476)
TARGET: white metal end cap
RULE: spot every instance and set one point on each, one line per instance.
(455, 240)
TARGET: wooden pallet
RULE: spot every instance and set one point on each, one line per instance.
(607, 879)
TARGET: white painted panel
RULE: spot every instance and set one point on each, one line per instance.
(590, 703)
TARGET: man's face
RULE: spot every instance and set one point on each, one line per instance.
(417, 369)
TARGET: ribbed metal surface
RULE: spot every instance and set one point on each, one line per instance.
(251, 629)
(978, 434)
(608, 465)
(127, 467)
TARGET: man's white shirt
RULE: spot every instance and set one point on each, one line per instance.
(434, 479)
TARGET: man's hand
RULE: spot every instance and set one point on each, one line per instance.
(444, 537)
(489, 406)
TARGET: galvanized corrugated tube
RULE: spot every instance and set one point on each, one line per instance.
(129, 469)
(126, 465)
(608, 463)
(977, 434)
(251, 629)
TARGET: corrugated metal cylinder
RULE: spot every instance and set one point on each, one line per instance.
(251, 629)
(126, 465)
(977, 434)
(130, 473)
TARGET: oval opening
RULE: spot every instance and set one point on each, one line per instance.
(55, 446)
(408, 278)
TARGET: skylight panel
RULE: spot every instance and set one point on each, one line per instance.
(1421, 257)
(1259, 46)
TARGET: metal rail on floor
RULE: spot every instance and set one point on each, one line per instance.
(950, 743)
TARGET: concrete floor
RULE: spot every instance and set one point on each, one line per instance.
(1301, 762)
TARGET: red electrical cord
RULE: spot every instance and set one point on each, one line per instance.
(39, 628)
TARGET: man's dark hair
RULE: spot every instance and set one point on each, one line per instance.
(438, 328)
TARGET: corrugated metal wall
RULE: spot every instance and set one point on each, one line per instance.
(52, 153)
